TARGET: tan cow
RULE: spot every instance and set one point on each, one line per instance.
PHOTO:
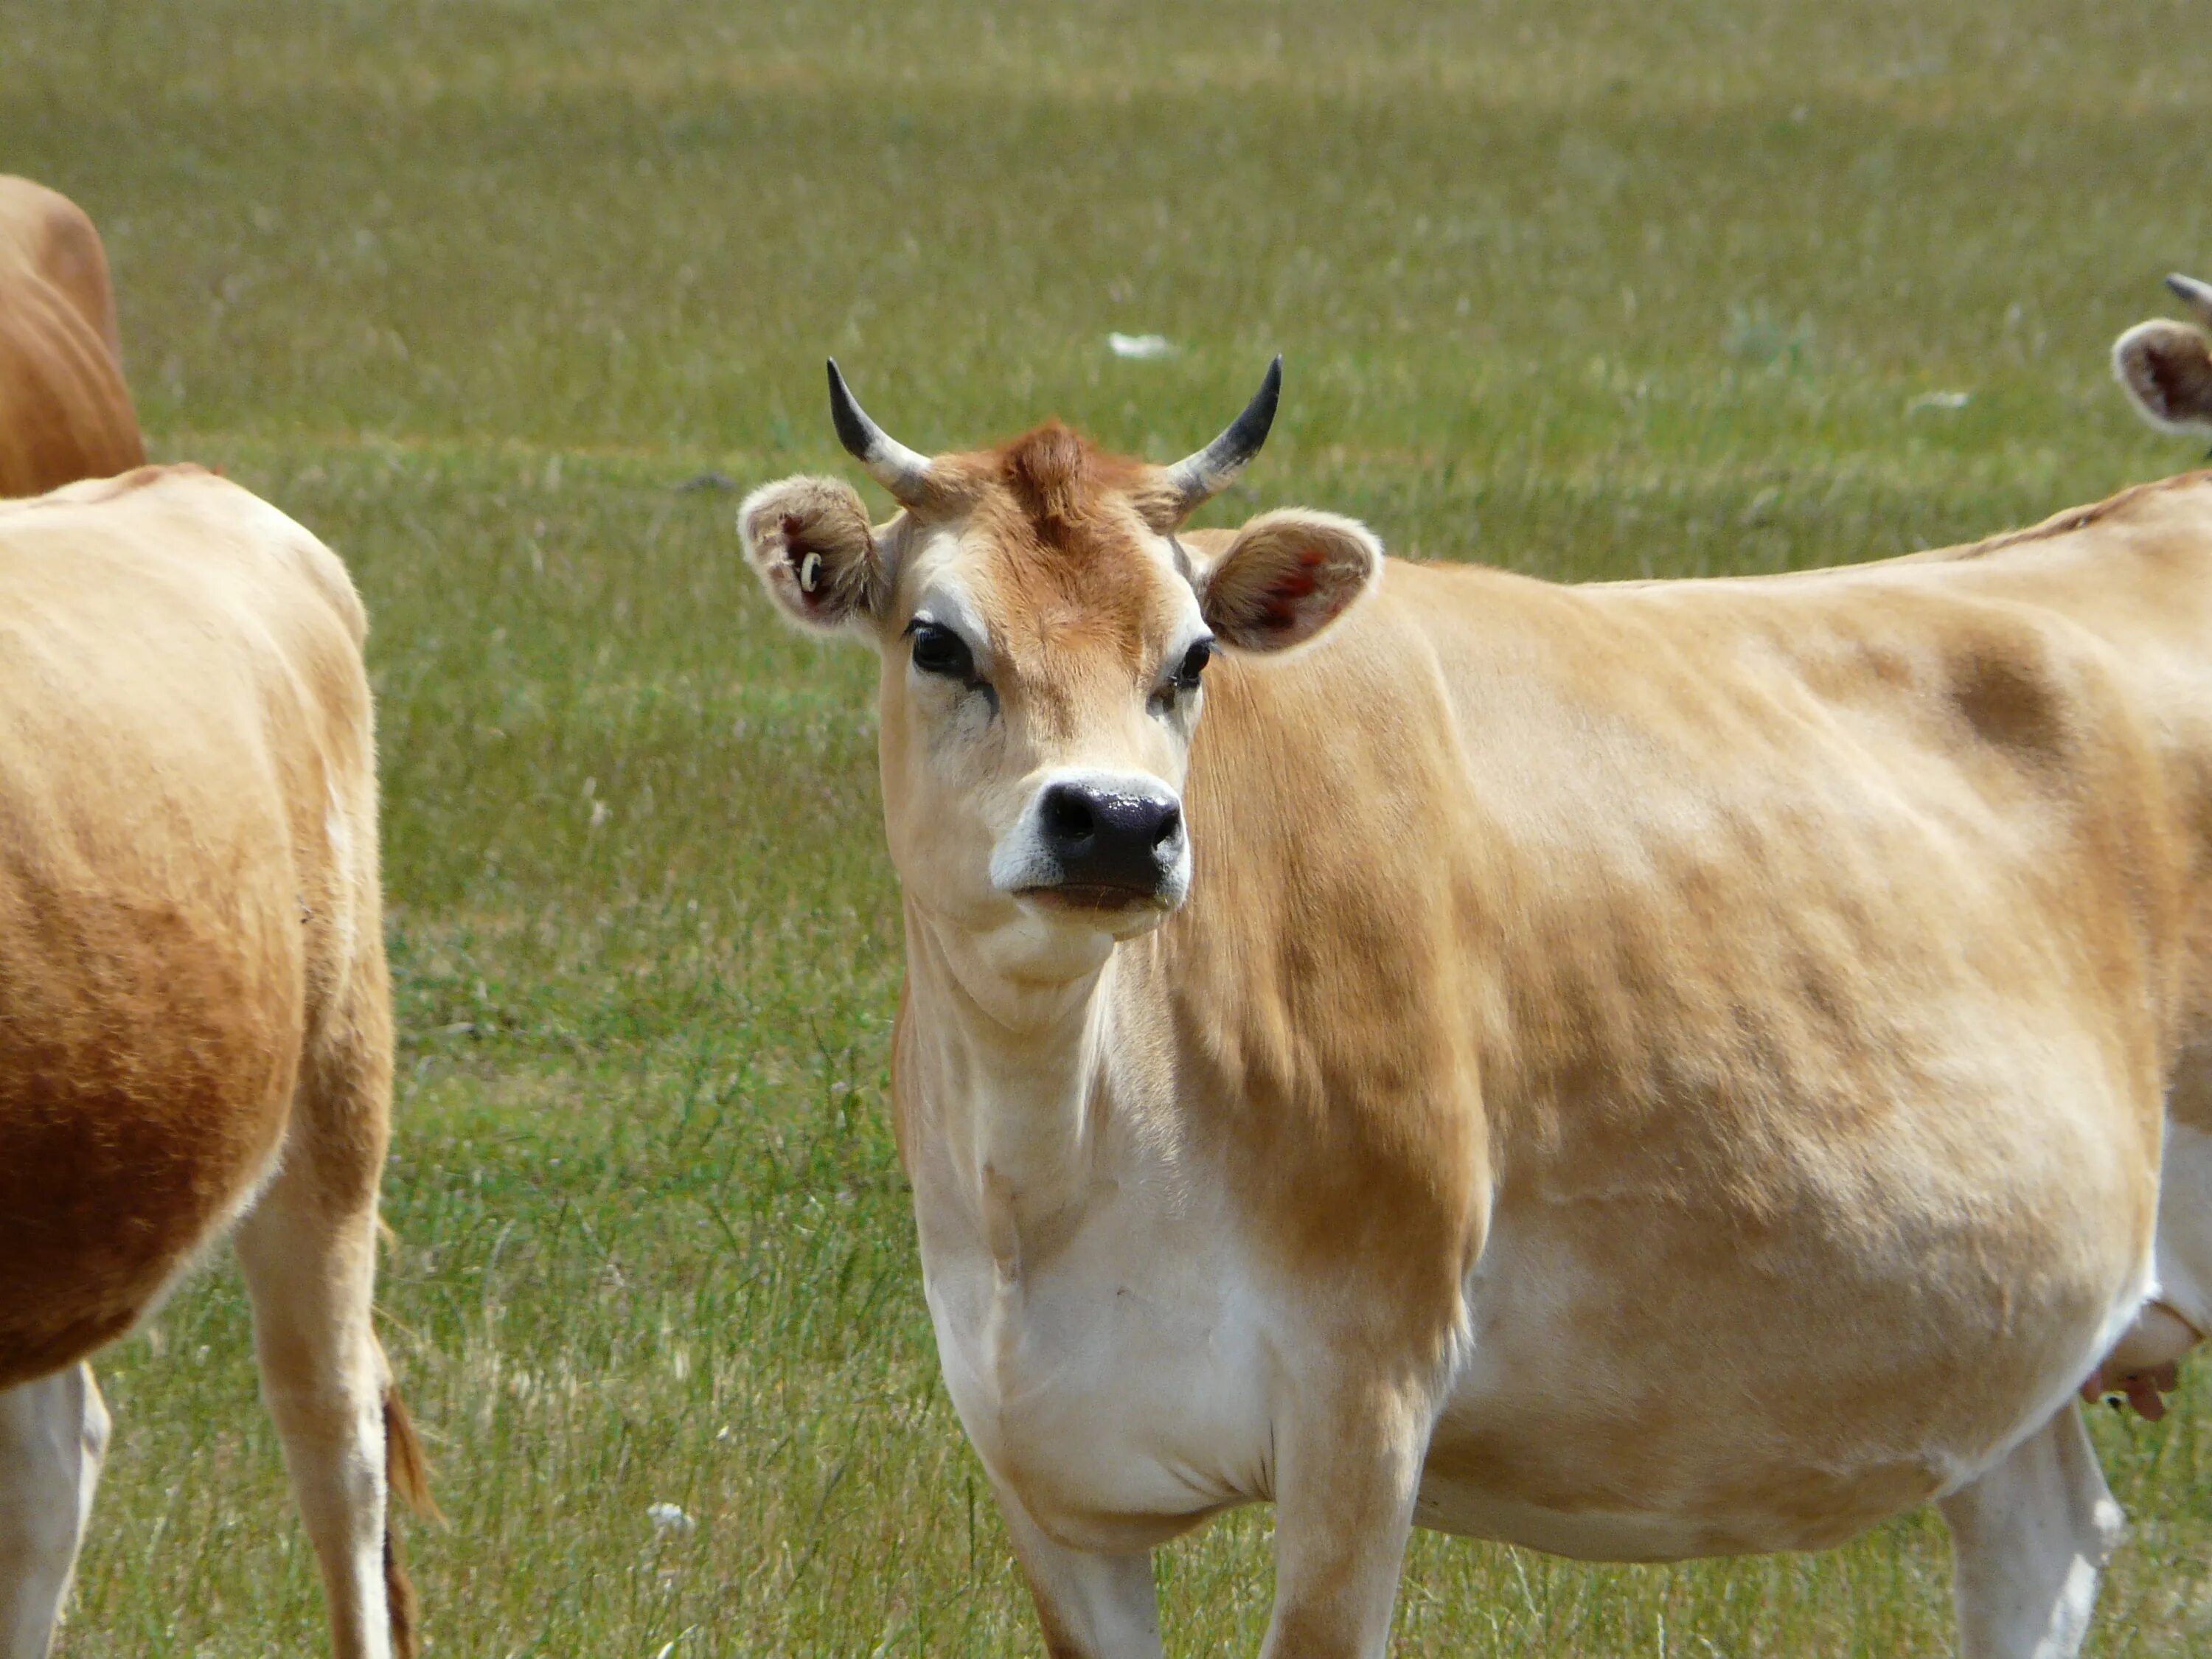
(195, 1031)
(1645, 1071)
(65, 411)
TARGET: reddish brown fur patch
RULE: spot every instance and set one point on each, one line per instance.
(1279, 611)
(1047, 473)
(1058, 512)
(1062, 482)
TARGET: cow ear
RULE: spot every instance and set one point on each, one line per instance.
(2167, 369)
(809, 541)
(1286, 576)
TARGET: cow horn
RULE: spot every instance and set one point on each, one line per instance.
(2196, 295)
(1197, 477)
(890, 463)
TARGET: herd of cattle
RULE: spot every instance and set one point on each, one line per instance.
(1642, 1071)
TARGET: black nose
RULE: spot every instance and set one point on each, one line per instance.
(1107, 837)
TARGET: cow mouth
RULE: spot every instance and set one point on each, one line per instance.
(1105, 896)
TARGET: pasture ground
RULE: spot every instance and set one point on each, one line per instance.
(474, 286)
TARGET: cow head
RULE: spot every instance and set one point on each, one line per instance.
(1044, 636)
(2167, 366)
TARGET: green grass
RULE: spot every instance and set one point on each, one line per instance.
(470, 286)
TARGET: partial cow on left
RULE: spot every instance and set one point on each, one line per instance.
(65, 413)
(195, 1024)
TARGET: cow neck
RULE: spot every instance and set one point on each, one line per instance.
(1014, 1106)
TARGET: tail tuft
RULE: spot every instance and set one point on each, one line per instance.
(407, 1478)
(398, 1598)
(406, 1471)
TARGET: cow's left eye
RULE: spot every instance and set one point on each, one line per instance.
(1183, 678)
(938, 650)
(1193, 664)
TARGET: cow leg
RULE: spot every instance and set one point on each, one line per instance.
(309, 1266)
(2028, 1539)
(1347, 1467)
(2184, 1229)
(2144, 1362)
(1091, 1605)
(53, 1437)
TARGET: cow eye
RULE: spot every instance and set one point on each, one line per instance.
(938, 650)
(1193, 664)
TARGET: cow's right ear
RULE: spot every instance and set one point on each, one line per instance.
(2167, 369)
(809, 541)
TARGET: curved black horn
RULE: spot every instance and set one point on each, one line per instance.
(890, 463)
(1196, 477)
(2196, 295)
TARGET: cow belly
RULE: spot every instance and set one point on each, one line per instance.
(1670, 1413)
(1766, 1504)
(1469, 1511)
(90, 1245)
(134, 1128)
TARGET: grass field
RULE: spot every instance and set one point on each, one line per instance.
(473, 287)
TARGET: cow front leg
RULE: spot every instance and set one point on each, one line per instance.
(1347, 1466)
(1093, 1606)
(2028, 1540)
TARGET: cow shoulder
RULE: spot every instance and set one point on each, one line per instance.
(1317, 979)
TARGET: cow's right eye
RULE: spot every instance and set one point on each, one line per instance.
(938, 650)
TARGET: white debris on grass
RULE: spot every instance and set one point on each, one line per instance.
(1142, 347)
(670, 1521)
(1939, 400)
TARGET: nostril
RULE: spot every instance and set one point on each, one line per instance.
(1069, 819)
(1170, 827)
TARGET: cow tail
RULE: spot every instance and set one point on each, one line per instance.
(406, 1478)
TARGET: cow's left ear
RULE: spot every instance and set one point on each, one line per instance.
(809, 541)
(1286, 576)
(2167, 368)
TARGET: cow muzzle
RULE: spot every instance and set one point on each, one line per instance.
(1097, 841)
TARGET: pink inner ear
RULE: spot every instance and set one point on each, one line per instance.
(1278, 610)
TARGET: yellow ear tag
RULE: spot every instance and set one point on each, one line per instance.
(810, 573)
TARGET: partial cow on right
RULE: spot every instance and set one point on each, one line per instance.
(2166, 368)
